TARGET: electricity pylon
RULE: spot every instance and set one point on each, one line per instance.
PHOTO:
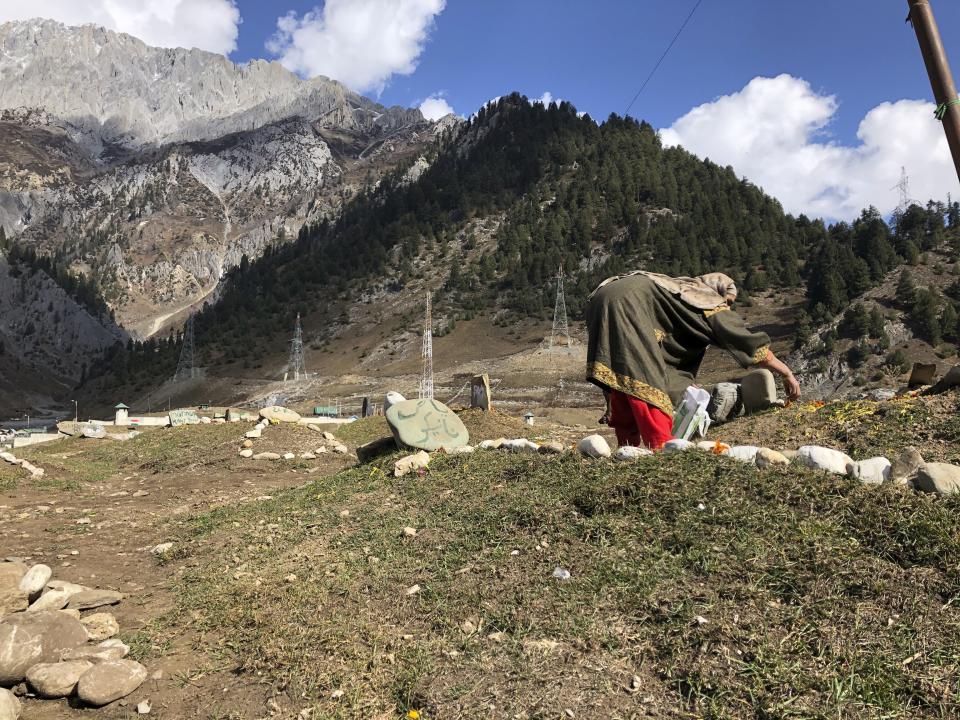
(296, 366)
(426, 353)
(186, 366)
(903, 186)
(560, 326)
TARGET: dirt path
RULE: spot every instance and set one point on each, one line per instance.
(100, 535)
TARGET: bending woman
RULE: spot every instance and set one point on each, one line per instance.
(647, 337)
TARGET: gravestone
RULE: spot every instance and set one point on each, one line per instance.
(184, 417)
(94, 432)
(279, 414)
(480, 392)
(426, 424)
(922, 374)
(758, 390)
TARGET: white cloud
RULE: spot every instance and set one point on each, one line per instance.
(435, 107)
(773, 133)
(361, 43)
(205, 24)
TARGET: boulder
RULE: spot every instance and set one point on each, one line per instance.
(904, 468)
(12, 600)
(426, 424)
(288, 456)
(521, 445)
(9, 705)
(56, 680)
(411, 463)
(743, 453)
(100, 626)
(713, 446)
(627, 452)
(328, 436)
(110, 680)
(940, 478)
(246, 453)
(308, 456)
(11, 573)
(947, 382)
(594, 446)
(922, 374)
(873, 471)
(267, 456)
(35, 579)
(340, 449)
(768, 458)
(38, 637)
(725, 403)
(94, 432)
(758, 390)
(50, 600)
(253, 434)
(678, 446)
(72, 588)
(392, 399)
(97, 653)
(90, 599)
(462, 450)
(492, 444)
(552, 448)
(247, 444)
(821, 458)
(279, 414)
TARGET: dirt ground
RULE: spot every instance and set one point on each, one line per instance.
(102, 505)
(132, 507)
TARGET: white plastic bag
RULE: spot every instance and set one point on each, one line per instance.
(690, 417)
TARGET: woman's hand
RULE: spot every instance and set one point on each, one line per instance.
(790, 383)
(792, 387)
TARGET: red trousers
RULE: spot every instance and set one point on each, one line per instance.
(638, 423)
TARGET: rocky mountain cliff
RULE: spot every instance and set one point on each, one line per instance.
(47, 338)
(123, 92)
(158, 170)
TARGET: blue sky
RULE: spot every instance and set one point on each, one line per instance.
(597, 53)
(820, 102)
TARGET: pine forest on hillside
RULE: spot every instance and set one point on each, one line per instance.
(596, 199)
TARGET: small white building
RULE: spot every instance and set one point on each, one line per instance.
(121, 418)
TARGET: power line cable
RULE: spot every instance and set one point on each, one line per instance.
(662, 57)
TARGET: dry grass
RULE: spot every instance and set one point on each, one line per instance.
(787, 595)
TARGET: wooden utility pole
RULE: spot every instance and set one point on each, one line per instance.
(941, 79)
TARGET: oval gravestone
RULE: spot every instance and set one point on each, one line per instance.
(279, 414)
(426, 424)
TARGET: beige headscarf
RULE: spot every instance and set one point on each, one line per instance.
(704, 292)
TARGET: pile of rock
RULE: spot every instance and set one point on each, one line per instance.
(908, 469)
(275, 415)
(10, 458)
(56, 641)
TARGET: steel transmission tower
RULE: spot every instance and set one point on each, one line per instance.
(186, 366)
(560, 326)
(904, 189)
(296, 365)
(426, 379)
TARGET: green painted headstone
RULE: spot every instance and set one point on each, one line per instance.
(426, 424)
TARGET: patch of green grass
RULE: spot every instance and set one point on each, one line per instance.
(71, 462)
(731, 593)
